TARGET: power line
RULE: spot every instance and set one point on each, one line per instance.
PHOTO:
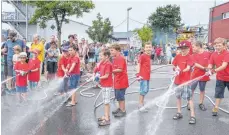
(137, 21)
(120, 23)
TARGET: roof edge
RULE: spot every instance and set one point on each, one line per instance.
(219, 5)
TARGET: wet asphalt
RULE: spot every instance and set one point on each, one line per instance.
(51, 117)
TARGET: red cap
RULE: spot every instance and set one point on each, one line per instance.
(184, 43)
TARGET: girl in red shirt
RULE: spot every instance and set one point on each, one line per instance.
(21, 68)
(34, 73)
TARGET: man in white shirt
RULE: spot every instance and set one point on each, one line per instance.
(169, 53)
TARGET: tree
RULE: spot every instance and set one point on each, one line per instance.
(58, 11)
(101, 30)
(145, 34)
(165, 19)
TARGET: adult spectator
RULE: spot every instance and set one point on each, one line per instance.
(13, 41)
(47, 46)
(126, 53)
(63, 42)
(158, 54)
(27, 50)
(84, 50)
(70, 41)
(38, 47)
(210, 47)
(169, 53)
(75, 39)
(91, 56)
(97, 51)
(132, 55)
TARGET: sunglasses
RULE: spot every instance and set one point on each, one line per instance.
(22, 57)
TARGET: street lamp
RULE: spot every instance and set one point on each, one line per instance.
(128, 9)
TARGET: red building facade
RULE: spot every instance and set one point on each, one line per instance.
(219, 22)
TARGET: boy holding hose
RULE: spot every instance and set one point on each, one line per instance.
(182, 65)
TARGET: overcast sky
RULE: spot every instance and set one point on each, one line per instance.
(193, 12)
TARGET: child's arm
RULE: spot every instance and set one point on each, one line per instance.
(72, 67)
(199, 66)
(63, 68)
(117, 70)
(187, 68)
(104, 77)
(222, 67)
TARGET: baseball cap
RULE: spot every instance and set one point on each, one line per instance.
(22, 54)
(65, 48)
(184, 43)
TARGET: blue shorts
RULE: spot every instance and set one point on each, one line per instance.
(32, 85)
(220, 88)
(73, 80)
(21, 89)
(202, 85)
(144, 87)
(120, 94)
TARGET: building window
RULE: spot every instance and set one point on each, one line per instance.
(226, 15)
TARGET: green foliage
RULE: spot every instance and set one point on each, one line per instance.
(58, 10)
(166, 18)
(101, 30)
(145, 34)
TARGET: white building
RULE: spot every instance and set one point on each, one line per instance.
(73, 27)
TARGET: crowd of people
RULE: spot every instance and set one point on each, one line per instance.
(21, 64)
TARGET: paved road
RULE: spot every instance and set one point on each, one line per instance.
(47, 117)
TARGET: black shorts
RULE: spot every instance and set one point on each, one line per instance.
(202, 85)
(220, 88)
(51, 67)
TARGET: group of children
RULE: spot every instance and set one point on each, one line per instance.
(26, 71)
(195, 69)
(112, 74)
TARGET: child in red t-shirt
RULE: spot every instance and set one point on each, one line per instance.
(143, 74)
(21, 69)
(182, 64)
(62, 70)
(120, 79)
(74, 72)
(106, 82)
(34, 70)
(220, 59)
(200, 59)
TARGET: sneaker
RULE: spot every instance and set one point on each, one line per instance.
(177, 116)
(215, 111)
(202, 107)
(142, 108)
(116, 111)
(192, 120)
(120, 114)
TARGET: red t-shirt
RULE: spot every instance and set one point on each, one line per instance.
(63, 61)
(158, 51)
(33, 64)
(201, 59)
(76, 69)
(217, 59)
(145, 66)
(182, 62)
(104, 68)
(21, 80)
(120, 79)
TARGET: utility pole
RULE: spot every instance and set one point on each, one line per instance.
(128, 9)
(26, 29)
